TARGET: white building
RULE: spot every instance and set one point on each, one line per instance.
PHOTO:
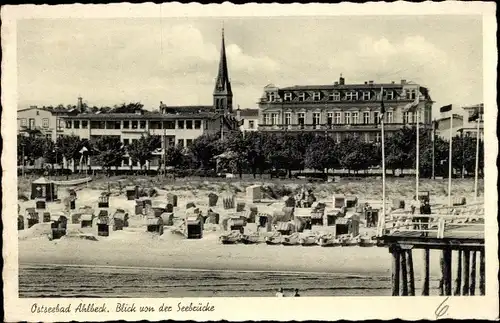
(249, 119)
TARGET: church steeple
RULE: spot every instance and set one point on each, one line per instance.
(223, 95)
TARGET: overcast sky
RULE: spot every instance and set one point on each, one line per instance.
(110, 61)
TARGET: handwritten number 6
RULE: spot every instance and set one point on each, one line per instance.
(442, 309)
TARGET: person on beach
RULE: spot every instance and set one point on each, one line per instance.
(415, 209)
(279, 293)
(425, 210)
(296, 294)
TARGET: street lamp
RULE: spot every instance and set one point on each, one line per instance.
(55, 152)
(22, 145)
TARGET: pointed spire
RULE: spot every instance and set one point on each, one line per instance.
(223, 85)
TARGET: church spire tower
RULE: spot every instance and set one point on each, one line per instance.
(223, 95)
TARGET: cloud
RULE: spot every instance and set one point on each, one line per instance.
(249, 64)
(176, 63)
(383, 59)
(109, 61)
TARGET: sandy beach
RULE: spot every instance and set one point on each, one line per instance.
(136, 249)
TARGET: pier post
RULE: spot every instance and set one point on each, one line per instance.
(472, 290)
(395, 269)
(466, 264)
(411, 274)
(458, 278)
(447, 271)
(481, 273)
(404, 275)
(443, 273)
(425, 273)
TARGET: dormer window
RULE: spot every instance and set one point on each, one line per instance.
(367, 95)
(389, 95)
(349, 96)
(316, 96)
(411, 94)
(302, 96)
(288, 96)
(271, 97)
(334, 96)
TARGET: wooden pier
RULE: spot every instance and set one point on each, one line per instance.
(456, 232)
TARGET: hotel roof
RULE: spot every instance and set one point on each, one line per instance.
(147, 116)
(344, 86)
(248, 112)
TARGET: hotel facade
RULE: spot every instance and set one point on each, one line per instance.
(341, 109)
(175, 129)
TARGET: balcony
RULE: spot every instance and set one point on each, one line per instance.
(331, 127)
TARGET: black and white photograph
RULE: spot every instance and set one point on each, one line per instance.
(203, 157)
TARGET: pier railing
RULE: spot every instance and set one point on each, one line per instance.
(470, 219)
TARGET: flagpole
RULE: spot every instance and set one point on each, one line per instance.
(433, 149)
(417, 159)
(450, 159)
(476, 175)
(383, 164)
(164, 152)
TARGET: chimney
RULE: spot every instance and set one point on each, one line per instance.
(403, 81)
(366, 82)
(371, 82)
(336, 83)
(341, 80)
(392, 82)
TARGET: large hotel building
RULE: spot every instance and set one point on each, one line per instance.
(341, 109)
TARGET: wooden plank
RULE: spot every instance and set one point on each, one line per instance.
(481, 273)
(395, 270)
(458, 278)
(472, 289)
(466, 272)
(411, 274)
(425, 273)
(404, 275)
(447, 271)
(443, 273)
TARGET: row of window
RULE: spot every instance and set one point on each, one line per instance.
(134, 124)
(338, 96)
(170, 142)
(373, 137)
(32, 122)
(331, 118)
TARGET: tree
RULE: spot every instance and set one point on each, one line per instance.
(31, 147)
(204, 149)
(355, 154)
(127, 107)
(400, 149)
(110, 152)
(256, 154)
(464, 151)
(319, 154)
(175, 157)
(237, 147)
(141, 150)
(69, 147)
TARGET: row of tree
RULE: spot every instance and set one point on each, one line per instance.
(260, 152)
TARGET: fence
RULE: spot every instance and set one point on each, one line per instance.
(470, 219)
